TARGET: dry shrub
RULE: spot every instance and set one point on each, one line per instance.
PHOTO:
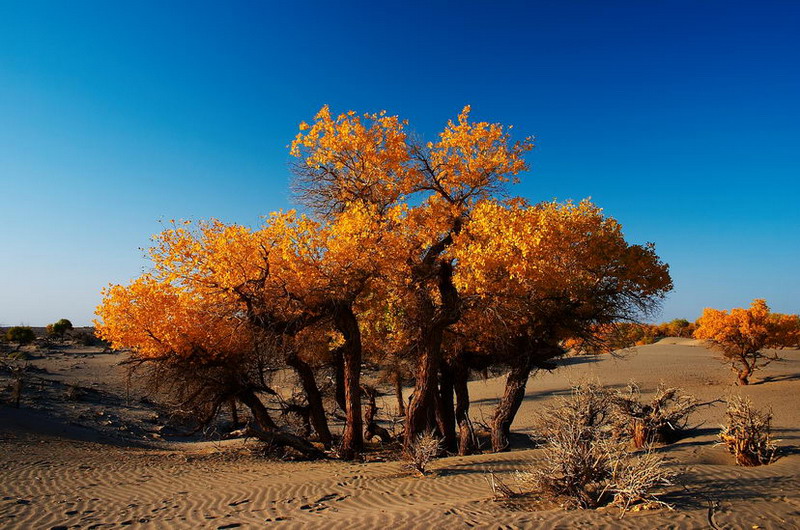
(74, 393)
(633, 479)
(748, 434)
(657, 421)
(584, 464)
(422, 451)
(500, 490)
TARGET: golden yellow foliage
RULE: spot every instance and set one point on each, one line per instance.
(742, 334)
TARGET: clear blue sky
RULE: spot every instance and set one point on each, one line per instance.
(680, 118)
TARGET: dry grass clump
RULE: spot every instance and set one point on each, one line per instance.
(635, 477)
(657, 421)
(748, 434)
(422, 451)
(500, 489)
(584, 464)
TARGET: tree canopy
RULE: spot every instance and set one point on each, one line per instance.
(411, 256)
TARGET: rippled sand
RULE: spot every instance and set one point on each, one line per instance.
(48, 478)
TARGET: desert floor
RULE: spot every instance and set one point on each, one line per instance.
(75, 462)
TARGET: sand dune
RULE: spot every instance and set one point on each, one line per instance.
(57, 474)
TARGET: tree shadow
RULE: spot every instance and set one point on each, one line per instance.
(777, 378)
(578, 359)
(688, 438)
(697, 491)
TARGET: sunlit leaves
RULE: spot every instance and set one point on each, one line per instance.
(745, 331)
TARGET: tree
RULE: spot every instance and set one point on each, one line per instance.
(533, 277)
(20, 334)
(351, 160)
(409, 258)
(742, 335)
(59, 328)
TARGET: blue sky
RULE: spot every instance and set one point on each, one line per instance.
(681, 119)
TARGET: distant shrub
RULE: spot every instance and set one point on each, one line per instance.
(622, 335)
(59, 328)
(20, 334)
(657, 421)
(748, 434)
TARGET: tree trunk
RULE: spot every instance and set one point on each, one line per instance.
(16, 388)
(744, 374)
(509, 404)
(338, 374)
(316, 408)
(346, 323)
(639, 433)
(266, 430)
(372, 428)
(257, 408)
(465, 433)
(430, 345)
(234, 413)
(417, 412)
(448, 419)
(398, 392)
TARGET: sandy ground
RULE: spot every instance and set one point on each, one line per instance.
(76, 463)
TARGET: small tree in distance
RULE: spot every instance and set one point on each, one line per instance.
(742, 335)
(59, 328)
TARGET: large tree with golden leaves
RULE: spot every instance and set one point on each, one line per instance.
(410, 256)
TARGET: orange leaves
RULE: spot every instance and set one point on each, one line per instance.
(157, 319)
(387, 210)
(551, 247)
(564, 267)
(746, 331)
(351, 159)
(371, 159)
(471, 160)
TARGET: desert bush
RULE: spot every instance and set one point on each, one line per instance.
(584, 464)
(59, 328)
(748, 434)
(20, 334)
(424, 448)
(657, 421)
(74, 393)
(633, 479)
(500, 490)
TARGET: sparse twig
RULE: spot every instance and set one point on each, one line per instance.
(748, 434)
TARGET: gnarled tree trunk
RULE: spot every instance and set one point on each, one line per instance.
(346, 323)
(430, 346)
(398, 392)
(446, 414)
(266, 430)
(423, 401)
(316, 408)
(372, 428)
(531, 354)
(465, 434)
(509, 404)
(746, 370)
